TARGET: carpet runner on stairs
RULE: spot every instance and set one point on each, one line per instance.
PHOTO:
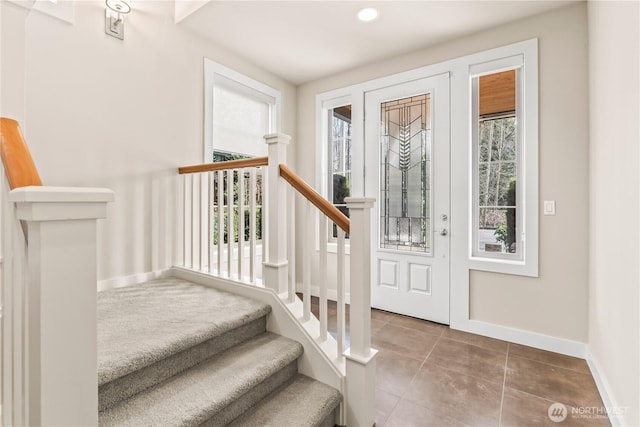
(171, 352)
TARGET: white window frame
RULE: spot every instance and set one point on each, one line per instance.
(477, 71)
(524, 57)
(325, 102)
(216, 74)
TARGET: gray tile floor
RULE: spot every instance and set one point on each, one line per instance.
(431, 375)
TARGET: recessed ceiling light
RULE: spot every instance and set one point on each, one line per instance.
(368, 14)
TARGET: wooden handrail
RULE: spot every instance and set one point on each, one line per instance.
(294, 180)
(230, 164)
(314, 197)
(18, 163)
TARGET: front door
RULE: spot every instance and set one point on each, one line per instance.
(407, 169)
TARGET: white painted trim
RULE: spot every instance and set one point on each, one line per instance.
(460, 167)
(605, 390)
(521, 336)
(133, 279)
(63, 10)
(185, 8)
(324, 102)
(461, 179)
(526, 54)
(45, 194)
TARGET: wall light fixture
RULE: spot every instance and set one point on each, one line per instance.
(113, 19)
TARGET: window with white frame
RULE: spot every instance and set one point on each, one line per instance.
(339, 144)
(498, 148)
(496, 141)
(239, 111)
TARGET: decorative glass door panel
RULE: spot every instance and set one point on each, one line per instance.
(405, 174)
(407, 171)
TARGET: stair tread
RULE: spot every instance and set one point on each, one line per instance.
(300, 403)
(197, 394)
(162, 318)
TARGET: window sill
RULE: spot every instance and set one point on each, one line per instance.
(504, 266)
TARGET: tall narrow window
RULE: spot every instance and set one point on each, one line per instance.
(497, 123)
(340, 158)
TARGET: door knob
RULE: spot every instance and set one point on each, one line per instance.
(444, 232)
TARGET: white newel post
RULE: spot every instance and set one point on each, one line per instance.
(61, 298)
(276, 266)
(360, 357)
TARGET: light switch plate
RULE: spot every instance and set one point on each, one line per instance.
(549, 207)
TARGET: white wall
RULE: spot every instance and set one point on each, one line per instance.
(124, 115)
(554, 304)
(614, 332)
(12, 60)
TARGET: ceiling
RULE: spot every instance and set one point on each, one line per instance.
(303, 41)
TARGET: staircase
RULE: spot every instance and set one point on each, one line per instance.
(171, 352)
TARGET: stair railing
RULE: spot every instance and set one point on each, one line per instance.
(215, 198)
(49, 285)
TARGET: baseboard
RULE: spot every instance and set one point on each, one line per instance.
(518, 336)
(528, 338)
(607, 396)
(122, 281)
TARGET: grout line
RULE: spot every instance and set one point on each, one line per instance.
(429, 353)
(551, 364)
(392, 409)
(504, 383)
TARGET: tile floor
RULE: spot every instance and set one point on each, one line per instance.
(430, 375)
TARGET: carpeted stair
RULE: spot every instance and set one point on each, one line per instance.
(171, 352)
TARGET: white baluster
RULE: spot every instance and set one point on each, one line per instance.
(210, 225)
(252, 225)
(188, 230)
(340, 321)
(220, 242)
(322, 275)
(292, 243)
(204, 217)
(307, 250)
(230, 231)
(240, 223)
(195, 222)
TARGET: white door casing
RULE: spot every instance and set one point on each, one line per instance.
(407, 150)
